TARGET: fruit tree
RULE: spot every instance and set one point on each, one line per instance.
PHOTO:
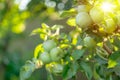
(92, 47)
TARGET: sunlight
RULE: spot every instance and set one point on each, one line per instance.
(107, 7)
(22, 4)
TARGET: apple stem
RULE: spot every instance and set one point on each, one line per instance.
(107, 48)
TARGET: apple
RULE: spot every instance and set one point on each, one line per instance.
(97, 15)
(83, 19)
(110, 26)
(45, 57)
(57, 68)
(56, 54)
(82, 8)
(89, 42)
(118, 19)
(48, 45)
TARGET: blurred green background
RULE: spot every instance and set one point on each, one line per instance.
(17, 20)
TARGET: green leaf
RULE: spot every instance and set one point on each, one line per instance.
(113, 59)
(44, 26)
(27, 70)
(77, 54)
(111, 63)
(115, 55)
(74, 41)
(43, 36)
(116, 70)
(87, 69)
(50, 76)
(71, 22)
(70, 70)
(102, 53)
(116, 41)
(55, 27)
(95, 73)
(65, 70)
(38, 31)
(79, 41)
(100, 60)
(68, 13)
(110, 78)
(37, 50)
(63, 36)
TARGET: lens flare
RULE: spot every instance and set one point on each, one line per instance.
(107, 7)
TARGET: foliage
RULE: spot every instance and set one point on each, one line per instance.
(11, 25)
(91, 48)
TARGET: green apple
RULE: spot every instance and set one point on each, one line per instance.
(45, 57)
(57, 68)
(110, 26)
(82, 8)
(48, 45)
(118, 19)
(89, 42)
(83, 19)
(97, 15)
(56, 54)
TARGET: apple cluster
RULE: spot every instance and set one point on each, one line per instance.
(51, 53)
(104, 22)
(108, 22)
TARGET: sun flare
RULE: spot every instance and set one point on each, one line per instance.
(107, 7)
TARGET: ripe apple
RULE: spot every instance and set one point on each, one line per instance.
(45, 57)
(56, 54)
(89, 42)
(48, 45)
(96, 14)
(83, 19)
(110, 26)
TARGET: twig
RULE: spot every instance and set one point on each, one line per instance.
(106, 47)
